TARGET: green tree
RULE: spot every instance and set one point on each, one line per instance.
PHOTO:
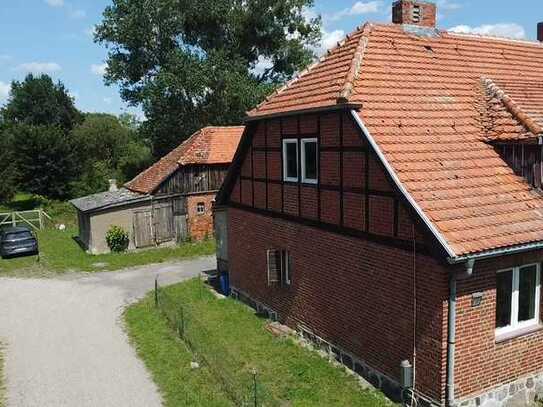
(38, 101)
(46, 158)
(109, 148)
(8, 170)
(191, 63)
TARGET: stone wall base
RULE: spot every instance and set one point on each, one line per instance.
(335, 354)
(523, 392)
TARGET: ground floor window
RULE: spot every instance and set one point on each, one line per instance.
(200, 208)
(517, 298)
(279, 266)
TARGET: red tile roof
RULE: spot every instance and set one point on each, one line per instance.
(210, 145)
(433, 101)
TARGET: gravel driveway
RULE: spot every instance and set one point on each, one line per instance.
(65, 342)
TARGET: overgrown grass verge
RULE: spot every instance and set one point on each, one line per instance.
(226, 329)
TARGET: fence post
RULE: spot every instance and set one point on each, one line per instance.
(156, 291)
(40, 217)
(255, 395)
(13, 220)
(181, 323)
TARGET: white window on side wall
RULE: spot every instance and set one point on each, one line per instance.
(200, 208)
(517, 298)
(290, 160)
(310, 160)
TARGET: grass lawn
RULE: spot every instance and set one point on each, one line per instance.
(231, 337)
(59, 252)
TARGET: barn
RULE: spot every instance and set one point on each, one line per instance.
(168, 203)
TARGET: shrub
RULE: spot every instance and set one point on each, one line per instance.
(117, 239)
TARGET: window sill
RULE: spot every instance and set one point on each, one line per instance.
(504, 337)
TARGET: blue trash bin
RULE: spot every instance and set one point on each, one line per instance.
(225, 284)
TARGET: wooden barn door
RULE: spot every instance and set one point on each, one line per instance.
(180, 218)
(163, 222)
(143, 229)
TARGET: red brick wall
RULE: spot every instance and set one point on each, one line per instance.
(481, 362)
(355, 294)
(200, 226)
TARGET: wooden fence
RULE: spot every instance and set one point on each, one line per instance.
(36, 219)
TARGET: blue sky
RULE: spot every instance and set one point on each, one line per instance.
(55, 36)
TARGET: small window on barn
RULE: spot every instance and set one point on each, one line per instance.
(517, 298)
(290, 160)
(200, 208)
(310, 160)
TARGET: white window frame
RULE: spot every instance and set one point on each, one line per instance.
(285, 174)
(285, 262)
(306, 180)
(198, 208)
(515, 325)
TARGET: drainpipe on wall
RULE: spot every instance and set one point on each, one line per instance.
(451, 330)
(451, 339)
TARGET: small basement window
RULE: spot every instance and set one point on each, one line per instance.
(200, 208)
(517, 298)
(310, 160)
(290, 160)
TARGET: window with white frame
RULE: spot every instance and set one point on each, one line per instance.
(309, 160)
(517, 298)
(279, 267)
(200, 208)
(290, 160)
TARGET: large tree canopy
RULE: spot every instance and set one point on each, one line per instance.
(38, 101)
(191, 63)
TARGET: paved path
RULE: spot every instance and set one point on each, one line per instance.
(65, 341)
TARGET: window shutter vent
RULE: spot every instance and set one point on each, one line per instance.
(274, 266)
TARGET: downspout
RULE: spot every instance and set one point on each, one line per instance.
(451, 339)
(451, 330)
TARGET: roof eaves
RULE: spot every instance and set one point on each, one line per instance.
(295, 112)
(512, 107)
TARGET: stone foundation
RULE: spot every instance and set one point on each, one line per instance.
(520, 393)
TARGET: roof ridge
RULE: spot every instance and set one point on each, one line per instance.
(513, 107)
(494, 37)
(310, 67)
(358, 57)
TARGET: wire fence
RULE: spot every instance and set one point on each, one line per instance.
(239, 381)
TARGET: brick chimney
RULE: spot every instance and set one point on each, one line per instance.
(414, 12)
(540, 32)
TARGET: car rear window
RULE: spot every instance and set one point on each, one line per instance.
(18, 236)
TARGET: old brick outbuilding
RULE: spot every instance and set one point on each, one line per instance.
(387, 204)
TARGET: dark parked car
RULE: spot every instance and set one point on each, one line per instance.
(16, 241)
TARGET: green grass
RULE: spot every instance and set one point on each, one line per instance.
(229, 334)
(59, 252)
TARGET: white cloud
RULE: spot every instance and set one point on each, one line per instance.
(39, 67)
(108, 101)
(4, 91)
(262, 65)
(357, 9)
(329, 40)
(55, 3)
(99, 69)
(508, 30)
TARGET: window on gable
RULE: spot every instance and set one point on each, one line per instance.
(290, 160)
(517, 298)
(200, 208)
(310, 160)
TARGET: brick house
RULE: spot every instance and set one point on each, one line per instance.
(387, 204)
(169, 202)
